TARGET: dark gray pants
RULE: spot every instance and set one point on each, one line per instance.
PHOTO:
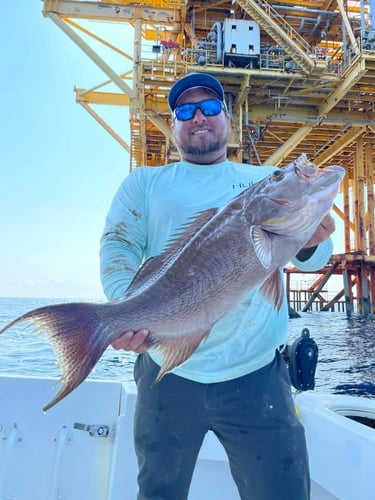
(252, 416)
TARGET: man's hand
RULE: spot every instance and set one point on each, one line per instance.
(132, 341)
(323, 231)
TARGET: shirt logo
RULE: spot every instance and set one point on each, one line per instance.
(242, 185)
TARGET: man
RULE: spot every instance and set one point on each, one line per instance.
(236, 383)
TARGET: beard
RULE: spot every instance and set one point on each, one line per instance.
(203, 148)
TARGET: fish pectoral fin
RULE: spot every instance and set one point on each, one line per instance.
(262, 245)
(176, 350)
(272, 289)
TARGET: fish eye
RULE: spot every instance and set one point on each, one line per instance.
(277, 175)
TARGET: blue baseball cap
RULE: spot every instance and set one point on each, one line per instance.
(191, 81)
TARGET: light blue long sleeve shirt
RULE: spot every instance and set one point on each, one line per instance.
(147, 211)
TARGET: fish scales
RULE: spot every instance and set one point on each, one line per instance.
(205, 271)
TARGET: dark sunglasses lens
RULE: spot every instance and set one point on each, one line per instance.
(211, 107)
(185, 112)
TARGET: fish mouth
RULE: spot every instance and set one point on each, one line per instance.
(306, 175)
(308, 171)
(335, 169)
(327, 181)
(305, 169)
(320, 183)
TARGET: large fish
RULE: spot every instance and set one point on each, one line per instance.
(205, 271)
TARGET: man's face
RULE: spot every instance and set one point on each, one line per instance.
(203, 139)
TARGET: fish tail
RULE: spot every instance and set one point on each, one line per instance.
(76, 334)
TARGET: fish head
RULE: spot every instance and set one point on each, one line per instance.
(294, 199)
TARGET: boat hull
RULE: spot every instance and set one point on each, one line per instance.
(82, 449)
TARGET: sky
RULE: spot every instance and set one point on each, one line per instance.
(59, 168)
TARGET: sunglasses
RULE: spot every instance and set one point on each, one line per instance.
(209, 107)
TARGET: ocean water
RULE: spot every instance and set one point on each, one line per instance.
(346, 349)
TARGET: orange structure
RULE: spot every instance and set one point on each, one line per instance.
(298, 76)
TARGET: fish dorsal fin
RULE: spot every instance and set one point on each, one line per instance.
(272, 289)
(262, 245)
(142, 276)
(153, 267)
(185, 232)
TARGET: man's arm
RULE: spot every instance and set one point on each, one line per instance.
(124, 237)
(122, 250)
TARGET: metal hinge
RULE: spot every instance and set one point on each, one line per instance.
(93, 430)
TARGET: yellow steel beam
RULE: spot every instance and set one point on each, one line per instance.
(370, 198)
(341, 214)
(106, 98)
(361, 188)
(137, 105)
(339, 144)
(348, 27)
(277, 157)
(353, 74)
(117, 80)
(105, 125)
(98, 38)
(242, 93)
(293, 114)
(160, 124)
(111, 12)
(93, 91)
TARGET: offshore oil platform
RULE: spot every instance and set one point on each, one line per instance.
(299, 77)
